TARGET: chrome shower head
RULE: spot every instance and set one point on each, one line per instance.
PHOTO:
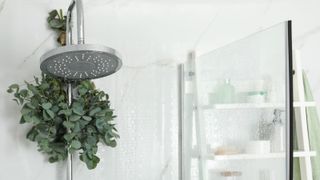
(80, 61)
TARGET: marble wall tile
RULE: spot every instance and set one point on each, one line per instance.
(152, 38)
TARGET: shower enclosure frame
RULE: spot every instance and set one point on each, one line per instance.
(192, 73)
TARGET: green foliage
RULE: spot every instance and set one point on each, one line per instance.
(58, 128)
(57, 20)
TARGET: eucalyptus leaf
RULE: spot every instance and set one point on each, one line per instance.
(30, 105)
(46, 105)
(87, 118)
(100, 123)
(68, 124)
(75, 144)
(24, 93)
(83, 123)
(53, 159)
(33, 89)
(45, 115)
(16, 101)
(36, 79)
(22, 120)
(12, 88)
(66, 112)
(52, 15)
(69, 136)
(82, 91)
(94, 111)
(26, 110)
(56, 23)
(55, 109)
(91, 163)
(63, 105)
(27, 118)
(78, 109)
(87, 84)
(50, 113)
(91, 140)
(72, 150)
(76, 128)
(31, 135)
(110, 141)
(44, 86)
(74, 117)
(35, 119)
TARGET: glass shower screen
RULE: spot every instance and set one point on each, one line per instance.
(237, 110)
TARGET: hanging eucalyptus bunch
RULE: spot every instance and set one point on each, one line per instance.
(58, 128)
(57, 21)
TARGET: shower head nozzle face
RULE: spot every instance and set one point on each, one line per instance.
(80, 62)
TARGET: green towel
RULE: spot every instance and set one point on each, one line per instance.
(296, 162)
(314, 128)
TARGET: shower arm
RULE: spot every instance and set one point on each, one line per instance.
(80, 22)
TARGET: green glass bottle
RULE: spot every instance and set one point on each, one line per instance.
(226, 93)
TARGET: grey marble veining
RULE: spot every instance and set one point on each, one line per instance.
(143, 92)
(36, 50)
(300, 40)
(2, 4)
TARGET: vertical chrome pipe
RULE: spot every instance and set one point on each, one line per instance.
(80, 22)
(80, 31)
(70, 158)
(68, 23)
(181, 92)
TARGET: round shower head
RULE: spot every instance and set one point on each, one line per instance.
(81, 61)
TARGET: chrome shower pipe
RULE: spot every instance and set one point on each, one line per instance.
(70, 156)
(80, 22)
(80, 39)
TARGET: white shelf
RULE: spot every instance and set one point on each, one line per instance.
(297, 154)
(305, 154)
(256, 105)
(305, 104)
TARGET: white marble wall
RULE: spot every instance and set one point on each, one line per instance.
(152, 36)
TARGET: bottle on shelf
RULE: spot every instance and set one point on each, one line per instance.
(224, 94)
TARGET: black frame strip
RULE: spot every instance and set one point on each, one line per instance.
(290, 97)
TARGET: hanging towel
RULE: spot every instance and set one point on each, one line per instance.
(313, 127)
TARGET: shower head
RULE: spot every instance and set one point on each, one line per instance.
(80, 61)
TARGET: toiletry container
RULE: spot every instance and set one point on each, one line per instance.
(225, 93)
(231, 175)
